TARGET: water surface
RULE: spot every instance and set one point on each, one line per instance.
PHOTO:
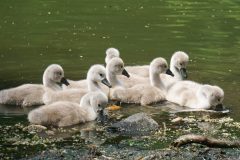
(75, 34)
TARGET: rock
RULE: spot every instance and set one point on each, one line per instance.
(137, 124)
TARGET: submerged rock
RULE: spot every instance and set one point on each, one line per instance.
(137, 124)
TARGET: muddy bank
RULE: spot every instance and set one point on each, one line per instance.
(95, 140)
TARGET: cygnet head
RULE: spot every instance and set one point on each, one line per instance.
(179, 62)
(159, 65)
(95, 99)
(99, 101)
(215, 96)
(111, 53)
(54, 74)
(116, 67)
(97, 74)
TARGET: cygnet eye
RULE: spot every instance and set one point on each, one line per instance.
(121, 66)
(219, 99)
(180, 64)
(99, 105)
(58, 73)
(101, 74)
(165, 66)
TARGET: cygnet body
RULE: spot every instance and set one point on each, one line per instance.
(31, 94)
(194, 95)
(133, 80)
(96, 75)
(145, 94)
(64, 113)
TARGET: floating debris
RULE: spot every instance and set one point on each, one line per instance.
(208, 141)
(113, 108)
(177, 120)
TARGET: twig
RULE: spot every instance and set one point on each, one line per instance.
(210, 142)
(164, 129)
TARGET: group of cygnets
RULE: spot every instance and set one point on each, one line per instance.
(143, 85)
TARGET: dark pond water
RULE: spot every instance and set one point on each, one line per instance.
(75, 34)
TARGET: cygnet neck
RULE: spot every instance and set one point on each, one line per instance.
(174, 70)
(155, 79)
(92, 85)
(86, 105)
(112, 78)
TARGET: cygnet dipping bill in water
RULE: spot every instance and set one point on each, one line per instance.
(145, 94)
(96, 75)
(64, 113)
(194, 95)
(31, 94)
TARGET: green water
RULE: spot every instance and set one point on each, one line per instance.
(76, 33)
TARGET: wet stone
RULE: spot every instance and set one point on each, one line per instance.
(137, 124)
